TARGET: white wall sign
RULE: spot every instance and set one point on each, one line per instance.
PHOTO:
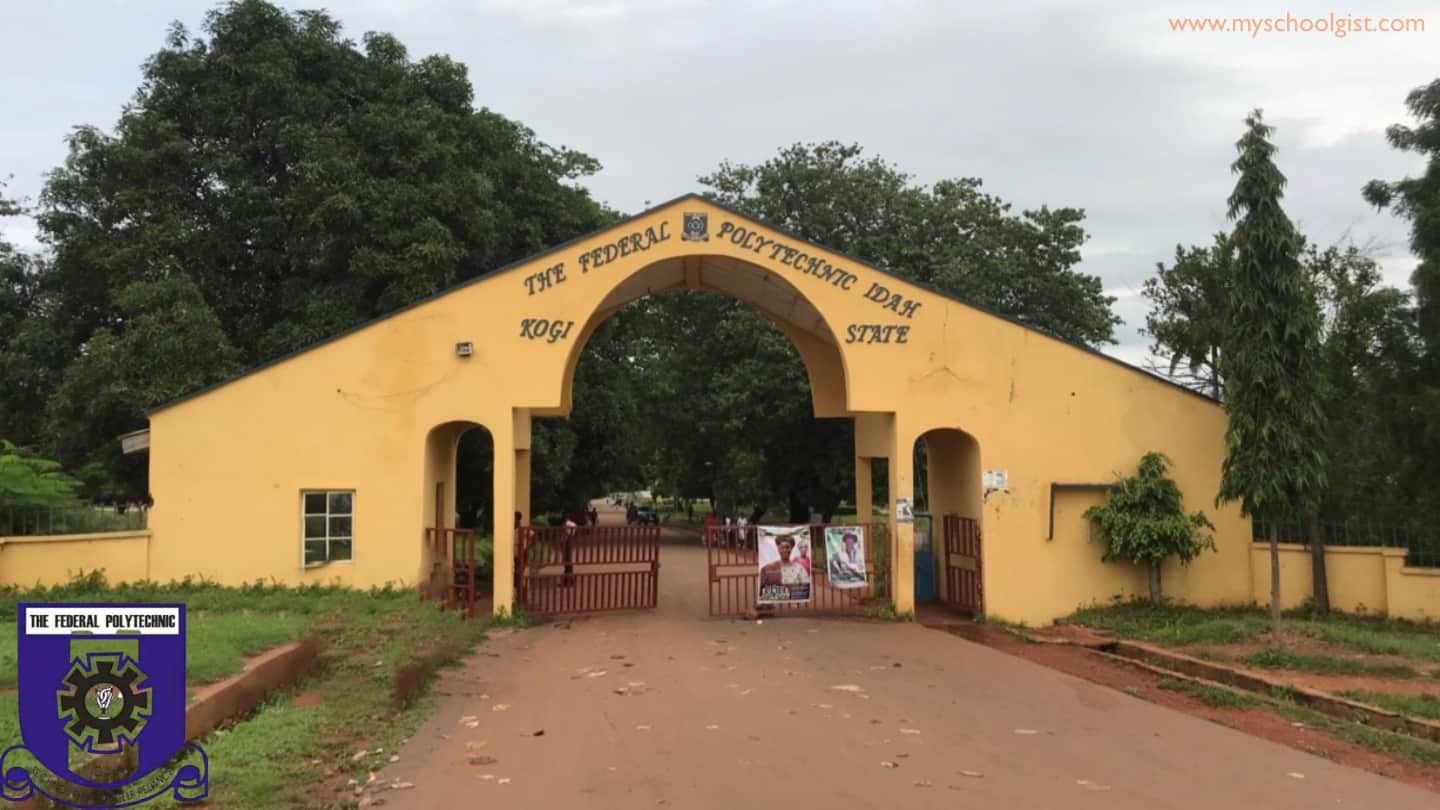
(996, 479)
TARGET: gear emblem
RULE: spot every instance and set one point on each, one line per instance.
(101, 705)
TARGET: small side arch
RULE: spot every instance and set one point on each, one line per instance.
(955, 498)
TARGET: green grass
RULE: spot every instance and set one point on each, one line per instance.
(266, 761)
(1180, 626)
(1210, 695)
(1422, 752)
(1419, 751)
(225, 625)
(1212, 655)
(1325, 664)
(1426, 706)
(1175, 625)
(9, 721)
(1376, 636)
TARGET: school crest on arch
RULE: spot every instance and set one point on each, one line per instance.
(102, 706)
(695, 227)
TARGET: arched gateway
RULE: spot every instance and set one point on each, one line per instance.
(351, 443)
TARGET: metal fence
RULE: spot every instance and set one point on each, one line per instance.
(24, 521)
(735, 573)
(587, 569)
(1422, 546)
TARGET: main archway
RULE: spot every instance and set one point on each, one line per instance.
(610, 566)
(354, 415)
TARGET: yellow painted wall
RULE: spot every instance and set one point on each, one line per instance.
(356, 413)
(1362, 579)
(1414, 593)
(51, 560)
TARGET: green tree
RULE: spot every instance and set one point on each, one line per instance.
(1275, 455)
(167, 342)
(31, 354)
(28, 481)
(601, 446)
(1369, 359)
(1418, 200)
(1143, 522)
(1187, 313)
(725, 394)
(301, 182)
(951, 235)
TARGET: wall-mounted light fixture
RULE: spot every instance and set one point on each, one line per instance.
(464, 349)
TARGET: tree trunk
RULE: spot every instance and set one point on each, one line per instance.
(1155, 598)
(1215, 372)
(1317, 563)
(1276, 639)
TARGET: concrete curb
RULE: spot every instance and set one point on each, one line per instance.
(232, 697)
(1338, 707)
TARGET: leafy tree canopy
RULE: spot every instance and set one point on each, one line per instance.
(1143, 522)
(27, 480)
(1275, 462)
(951, 235)
(279, 183)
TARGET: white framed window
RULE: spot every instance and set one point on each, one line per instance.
(327, 525)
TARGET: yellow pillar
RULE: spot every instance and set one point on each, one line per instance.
(902, 485)
(503, 438)
(864, 490)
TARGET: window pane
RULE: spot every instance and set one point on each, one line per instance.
(314, 551)
(339, 527)
(340, 503)
(314, 503)
(315, 527)
(340, 549)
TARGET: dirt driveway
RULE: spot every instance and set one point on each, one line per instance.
(670, 709)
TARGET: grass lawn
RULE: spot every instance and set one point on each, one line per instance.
(1181, 626)
(1426, 706)
(1422, 752)
(1379, 650)
(1325, 664)
(281, 755)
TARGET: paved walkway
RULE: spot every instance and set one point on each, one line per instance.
(671, 709)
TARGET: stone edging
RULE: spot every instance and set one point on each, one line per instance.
(230, 698)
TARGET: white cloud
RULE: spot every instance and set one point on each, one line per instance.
(1096, 105)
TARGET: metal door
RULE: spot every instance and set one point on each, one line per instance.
(924, 559)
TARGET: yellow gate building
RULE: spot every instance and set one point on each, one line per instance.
(1020, 427)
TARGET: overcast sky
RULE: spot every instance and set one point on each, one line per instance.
(1098, 105)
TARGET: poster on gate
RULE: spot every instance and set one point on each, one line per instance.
(784, 559)
(845, 556)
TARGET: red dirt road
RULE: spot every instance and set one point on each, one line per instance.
(670, 709)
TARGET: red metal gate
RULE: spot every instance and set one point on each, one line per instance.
(735, 573)
(453, 576)
(586, 569)
(963, 588)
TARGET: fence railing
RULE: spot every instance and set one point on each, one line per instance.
(1422, 546)
(23, 521)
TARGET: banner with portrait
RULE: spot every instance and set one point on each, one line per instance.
(784, 562)
(845, 556)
